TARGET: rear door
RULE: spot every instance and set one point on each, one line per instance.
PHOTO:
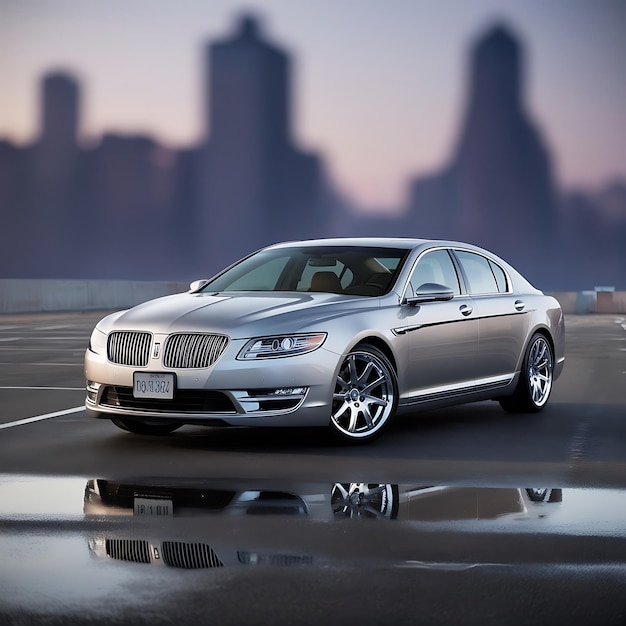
(502, 315)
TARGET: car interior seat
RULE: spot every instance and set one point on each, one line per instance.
(327, 282)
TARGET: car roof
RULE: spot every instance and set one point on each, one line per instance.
(383, 242)
(380, 242)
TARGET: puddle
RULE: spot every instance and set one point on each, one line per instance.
(549, 509)
(76, 548)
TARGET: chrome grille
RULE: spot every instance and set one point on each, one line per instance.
(189, 555)
(135, 550)
(193, 350)
(129, 348)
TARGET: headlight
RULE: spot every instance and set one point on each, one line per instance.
(98, 341)
(280, 346)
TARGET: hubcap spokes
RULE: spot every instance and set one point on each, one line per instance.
(366, 500)
(363, 395)
(540, 371)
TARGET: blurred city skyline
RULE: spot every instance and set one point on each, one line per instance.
(379, 92)
(129, 204)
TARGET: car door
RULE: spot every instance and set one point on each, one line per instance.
(442, 336)
(502, 315)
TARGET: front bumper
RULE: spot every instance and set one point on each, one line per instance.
(290, 391)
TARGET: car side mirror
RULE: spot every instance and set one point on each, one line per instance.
(430, 292)
(196, 285)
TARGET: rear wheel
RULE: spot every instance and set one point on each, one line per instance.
(144, 428)
(535, 383)
(366, 395)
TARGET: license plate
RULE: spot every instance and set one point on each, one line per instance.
(153, 507)
(147, 385)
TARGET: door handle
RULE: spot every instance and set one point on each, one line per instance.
(519, 305)
(466, 309)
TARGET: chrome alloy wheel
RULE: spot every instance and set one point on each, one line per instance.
(539, 371)
(365, 500)
(535, 383)
(365, 394)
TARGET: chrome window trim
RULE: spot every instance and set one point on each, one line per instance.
(509, 282)
(420, 255)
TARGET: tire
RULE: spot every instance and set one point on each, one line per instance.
(364, 500)
(545, 495)
(365, 396)
(143, 428)
(535, 383)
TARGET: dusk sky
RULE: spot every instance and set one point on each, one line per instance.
(378, 87)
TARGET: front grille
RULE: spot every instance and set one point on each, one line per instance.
(135, 550)
(185, 401)
(129, 348)
(184, 350)
(189, 555)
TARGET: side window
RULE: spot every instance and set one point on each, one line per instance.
(435, 267)
(500, 277)
(478, 271)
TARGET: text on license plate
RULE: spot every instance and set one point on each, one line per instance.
(153, 507)
(153, 385)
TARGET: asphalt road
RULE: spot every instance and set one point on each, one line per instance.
(463, 543)
(579, 440)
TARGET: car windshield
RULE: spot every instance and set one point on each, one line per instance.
(351, 270)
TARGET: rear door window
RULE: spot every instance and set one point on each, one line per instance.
(483, 276)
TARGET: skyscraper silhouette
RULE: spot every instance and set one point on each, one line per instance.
(506, 192)
(55, 154)
(52, 213)
(498, 190)
(255, 186)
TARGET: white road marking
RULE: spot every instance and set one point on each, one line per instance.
(39, 418)
(57, 327)
(49, 388)
(80, 348)
(40, 364)
(11, 339)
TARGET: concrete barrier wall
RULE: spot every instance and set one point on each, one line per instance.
(586, 302)
(31, 296)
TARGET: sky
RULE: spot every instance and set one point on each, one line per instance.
(378, 87)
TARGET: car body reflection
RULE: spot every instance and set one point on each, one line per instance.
(150, 501)
(340, 500)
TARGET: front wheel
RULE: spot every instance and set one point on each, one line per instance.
(535, 383)
(144, 428)
(364, 500)
(365, 396)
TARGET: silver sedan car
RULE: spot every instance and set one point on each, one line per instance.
(337, 332)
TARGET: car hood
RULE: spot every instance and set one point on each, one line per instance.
(238, 315)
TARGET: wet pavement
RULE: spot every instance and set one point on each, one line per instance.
(463, 515)
(77, 550)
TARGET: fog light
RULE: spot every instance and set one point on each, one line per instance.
(92, 391)
(289, 391)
